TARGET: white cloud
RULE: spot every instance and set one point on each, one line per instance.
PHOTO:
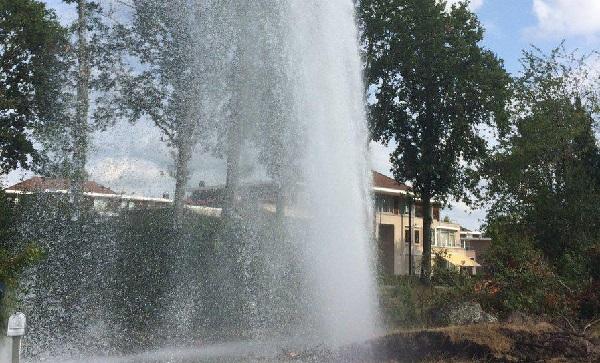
(561, 18)
(473, 5)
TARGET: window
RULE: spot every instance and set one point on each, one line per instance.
(402, 206)
(386, 204)
(407, 235)
(417, 237)
(446, 238)
(419, 211)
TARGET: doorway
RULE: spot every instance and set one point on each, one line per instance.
(386, 248)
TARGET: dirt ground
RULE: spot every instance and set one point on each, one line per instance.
(494, 342)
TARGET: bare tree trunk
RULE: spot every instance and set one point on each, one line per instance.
(80, 128)
(280, 202)
(184, 154)
(234, 154)
(427, 221)
(234, 135)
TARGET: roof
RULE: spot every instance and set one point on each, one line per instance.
(38, 183)
(382, 181)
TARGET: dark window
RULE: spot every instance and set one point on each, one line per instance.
(403, 207)
(386, 204)
(417, 240)
(407, 235)
(419, 211)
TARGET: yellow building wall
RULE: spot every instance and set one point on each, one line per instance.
(400, 222)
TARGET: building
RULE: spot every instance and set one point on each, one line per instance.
(96, 196)
(399, 231)
(475, 242)
(398, 217)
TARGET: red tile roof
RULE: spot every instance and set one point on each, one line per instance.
(38, 183)
(382, 181)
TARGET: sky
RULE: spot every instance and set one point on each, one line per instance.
(134, 155)
(514, 25)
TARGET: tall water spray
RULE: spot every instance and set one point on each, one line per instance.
(278, 89)
(328, 97)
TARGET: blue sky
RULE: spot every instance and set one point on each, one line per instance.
(511, 26)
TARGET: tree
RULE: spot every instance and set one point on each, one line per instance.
(544, 178)
(434, 87)
(518, 277)
(80, 125)
(278, 132)
(247, 90)
(13, 257)
(93, 69)
(260, 100)
(31, 41)
(181, 63)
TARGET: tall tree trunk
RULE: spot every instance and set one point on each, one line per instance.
(234, 154)
(427, 221)
(184, 154)
(280, 202)
(80, 128)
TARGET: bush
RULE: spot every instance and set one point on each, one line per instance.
(444, 274)
(13, 259)
(518, 278)
(406, 301)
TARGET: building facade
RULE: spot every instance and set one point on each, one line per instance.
(399, 231)
(97, 197)
(398, 218)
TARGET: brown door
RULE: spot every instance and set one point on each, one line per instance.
(386, 248)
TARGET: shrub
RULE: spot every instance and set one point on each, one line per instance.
(13, 259)
(405, 301)
(518, 278)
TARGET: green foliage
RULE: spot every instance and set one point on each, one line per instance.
(13, 258)
(32, 43)
(405, 301)
(519, 278)
(434, 88)
(137, 272)
(444, 274)
(434, 85)
(13, 263)
(545, 184)
(93, 63)
(147, 257)
(175, 46)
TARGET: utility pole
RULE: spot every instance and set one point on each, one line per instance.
(410, 235)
